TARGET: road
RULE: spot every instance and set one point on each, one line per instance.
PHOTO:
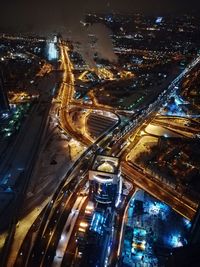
(159, 191)
(66, 96)
(173, 126)
(42, 246)
(48, 236)
(59, 209)
(67, 231)
(175, 202)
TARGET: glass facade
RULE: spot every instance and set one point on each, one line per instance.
(104, 192)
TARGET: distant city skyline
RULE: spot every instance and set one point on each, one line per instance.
(99, 134)
(37, 14)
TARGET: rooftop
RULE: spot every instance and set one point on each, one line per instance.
(106, 164)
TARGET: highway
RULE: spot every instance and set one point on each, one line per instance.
(174, 126)
(159, 191)
(39, 252)
(98, 106)
(66, 95)
(67, 231)
(117, 239)
(47, 238)
(60, 211)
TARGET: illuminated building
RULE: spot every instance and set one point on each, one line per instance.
(105, 180)
(139, 241)
(52, 51)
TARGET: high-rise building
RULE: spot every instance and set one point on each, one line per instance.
(105, 180)
(4, 104)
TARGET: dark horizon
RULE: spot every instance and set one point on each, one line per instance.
(52, 15)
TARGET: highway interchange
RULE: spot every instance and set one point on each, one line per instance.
(51, 240)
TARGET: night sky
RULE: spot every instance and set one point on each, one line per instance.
(53, 13)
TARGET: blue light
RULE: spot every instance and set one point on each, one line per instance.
(109, 18)
(159, 20)
(93, 218)
(5, 115)
(53, 90)
(176, 241)
(157, 207)
(52, 51)
(187, 223)
(97, 223)
(178, 101)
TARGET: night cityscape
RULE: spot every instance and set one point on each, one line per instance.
(100, 133)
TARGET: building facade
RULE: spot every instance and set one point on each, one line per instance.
(105, 180)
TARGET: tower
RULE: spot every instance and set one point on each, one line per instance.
(105, 180)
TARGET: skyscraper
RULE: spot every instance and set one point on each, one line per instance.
(105, 180)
